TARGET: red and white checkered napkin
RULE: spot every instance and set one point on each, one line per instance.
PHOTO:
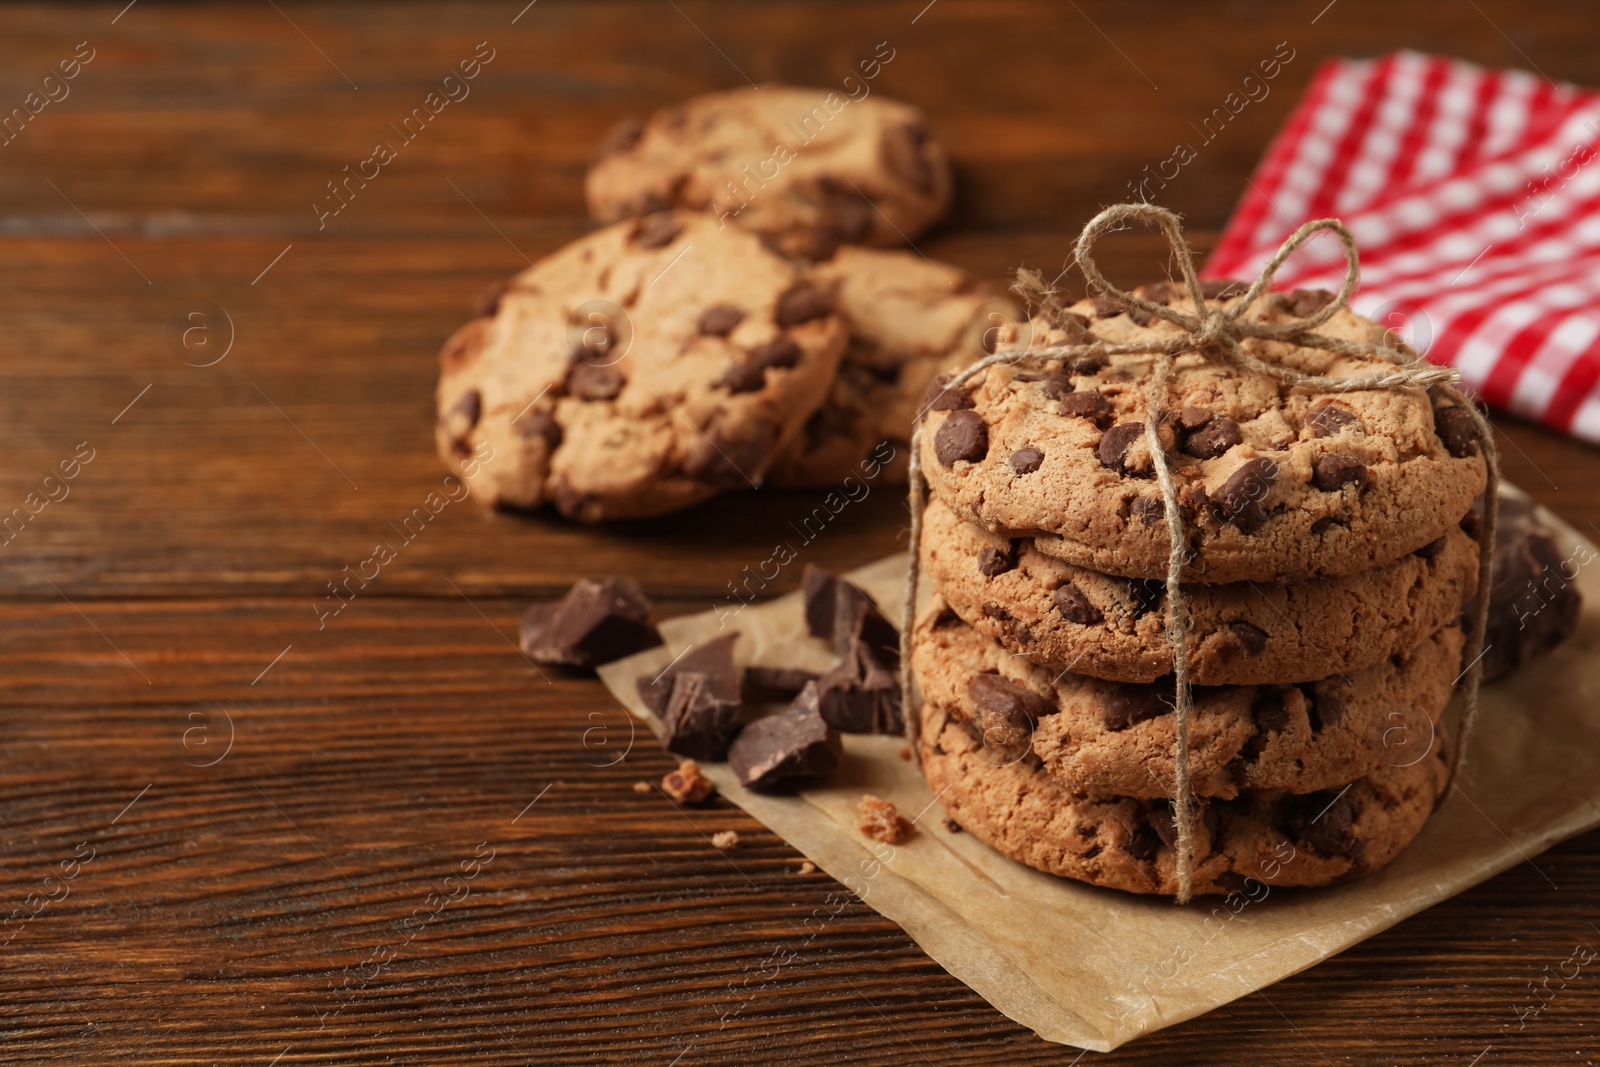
(1474, 197)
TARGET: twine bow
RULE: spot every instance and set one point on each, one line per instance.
(1216, 333)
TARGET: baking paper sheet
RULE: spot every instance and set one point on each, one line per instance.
(1095, 968)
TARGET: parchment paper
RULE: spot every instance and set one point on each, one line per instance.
(1095, 968)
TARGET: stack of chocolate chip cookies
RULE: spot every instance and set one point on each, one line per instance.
(729, 327)
(1332, 546)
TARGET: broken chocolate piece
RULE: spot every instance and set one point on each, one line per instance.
(860, 695)
(764, 684)
(713, 659)
(790, 747)
(820, 589)
(595, 623)
(696, 723)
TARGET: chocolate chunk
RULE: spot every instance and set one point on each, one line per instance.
(819, 591)
(1336, 470)
(1329, 419)
(859, 695)
(939, 398)
(714, 659)
(489, 299)
(802, 302)
(1324, 821)
(656, 231)
(1238, 500)
(1075, 607)
(963, 437)
(1005, 712)
(1212, 439)
(764, 684)
(724, 461)
(1026, 460)
(1324, 705)
(540, 424)
(621, 137)
(1158, 293)
(905, 152)
(1107, 306)
(1303, 303)
(1084, 365)
(594, 623)
(1270, 710)
(1150, 509)
(996, 561)
(720, 319)
(1130, 704)
(463, 415)
(587, 382)
(1222, 288)
(695, 723)
(780, 749)
(1433, 549)
(1251, 638)
(742, 378)
(1457, 430)
(1142, 844)
(1147, 595)
(1115, 442)
(1088, 405)
(778, 352)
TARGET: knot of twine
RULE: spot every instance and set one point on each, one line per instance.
(1215, 333)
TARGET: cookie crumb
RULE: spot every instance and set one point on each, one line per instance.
(687, 785)
(807, 868)
(881, 820)
(725, 839)
(905, 753)
(953, 826)
(641, 787)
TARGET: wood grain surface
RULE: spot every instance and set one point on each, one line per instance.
(245, 839)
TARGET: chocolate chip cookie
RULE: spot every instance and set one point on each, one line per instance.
(1276, 483)
(1064, 617)
(640, 369)
(909, 319)
(1274, 838)
(807, 169)
(1112, 738)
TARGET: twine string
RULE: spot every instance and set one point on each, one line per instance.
(1215, 332)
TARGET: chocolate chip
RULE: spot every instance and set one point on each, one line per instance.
(1147, 594)
(463, 415)
(762, 684)
(905, 152)
(720, 319)
(1251, 638)
(1338, 469)
(964, 436)
(1053, 385)
(802, 302)
(1325, 821)
(1457, 430)
(623, 136)
(1222, 288)
(1433, 549)
(794, 746)
(1084, 365)
(1212, 439)
(1089, 405)
(1005, 711)
(995, 561)
(1075, 607)
(939, 398)
(1329, 419)
(656, 231)
(540, 424)
(1324, 706)
(1150, 509)
(714, 659)
(778, 352)
(1107, 306)
(596, 622)
(721, 460)
(742, 377)
(1159, 293)
(588, 382)
(1270, 710)
(1303, 303)
(1142, 844)
(1026, 460)
(1115, 442)
(1238, 500)
(695, 723)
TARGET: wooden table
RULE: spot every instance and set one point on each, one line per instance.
(249, 804)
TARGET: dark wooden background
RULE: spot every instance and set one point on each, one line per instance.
(230, 911)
